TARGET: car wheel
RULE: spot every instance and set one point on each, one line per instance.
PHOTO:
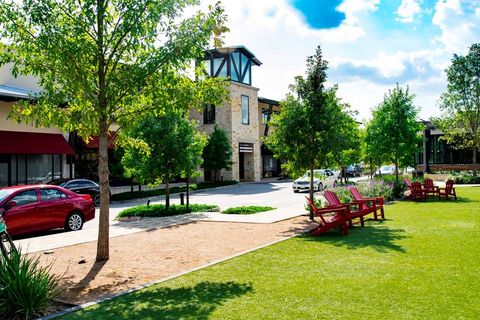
(295, 191)
(96, 200)
(320, 187)
(74, 222)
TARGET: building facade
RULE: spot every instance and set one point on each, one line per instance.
(28, 154)
(244, 116)
(437, 155)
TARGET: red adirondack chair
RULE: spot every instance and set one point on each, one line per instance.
(430, 188)
(362, 208)
(376, 202)
(449, 190)
(418, 192)
(327, 222)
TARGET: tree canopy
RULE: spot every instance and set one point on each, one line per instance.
(460, 104)
(217, 154)
(303, 132)
(392, 134)
(99, 62)
(167, 146)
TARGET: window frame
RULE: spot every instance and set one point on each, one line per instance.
(212, 113)
(248, 108)
(21, 192)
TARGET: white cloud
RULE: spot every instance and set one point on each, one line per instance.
(407, 10)
(459, 29)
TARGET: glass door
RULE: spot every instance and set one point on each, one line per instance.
(4, 174)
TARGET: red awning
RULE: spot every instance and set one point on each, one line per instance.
(94, 142)
(14, 142)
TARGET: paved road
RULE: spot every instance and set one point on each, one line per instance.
(278, 195)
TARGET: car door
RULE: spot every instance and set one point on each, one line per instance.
(23, 217)
(54, 208)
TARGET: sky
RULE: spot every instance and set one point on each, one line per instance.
(370, 44)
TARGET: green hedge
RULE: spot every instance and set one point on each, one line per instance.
(247, 210)
(466, 177)
(161, 192)
(159, 210)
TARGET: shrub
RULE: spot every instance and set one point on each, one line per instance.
(247, 210)
(26, 287)
(465, 177)
(159, 210)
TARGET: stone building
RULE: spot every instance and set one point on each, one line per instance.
(244, 116)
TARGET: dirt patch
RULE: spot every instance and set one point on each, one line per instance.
(148, 256)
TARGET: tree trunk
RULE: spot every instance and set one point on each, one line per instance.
(396, 170)
(371, 168)
(474, 161)
(311, 190)
(103, 175)
(379, 165)
(188, 191)
(167, 195)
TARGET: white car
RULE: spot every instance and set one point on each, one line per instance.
(323, 178)
(386, 170)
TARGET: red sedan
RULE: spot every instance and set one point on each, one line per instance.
(37, 208)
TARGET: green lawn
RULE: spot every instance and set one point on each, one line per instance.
(423, 262)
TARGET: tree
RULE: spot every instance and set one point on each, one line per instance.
(217, 154)
(346, 143)
(303, 132)
(393, 131)
(166, 147)
(98, 62)
(460, 104)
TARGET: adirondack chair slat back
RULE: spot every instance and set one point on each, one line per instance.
(355, 193)
(417, 186)
(428, 183)
(449, 186)
(331, 198)
(407, 182)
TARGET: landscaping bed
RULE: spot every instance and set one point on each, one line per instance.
(160, 192)
(159, 210)
(247, 210)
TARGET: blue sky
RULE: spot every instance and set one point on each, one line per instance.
(370, 44)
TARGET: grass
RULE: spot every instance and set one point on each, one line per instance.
(159, 210)
(421, 263)
(247, 210)
(160, 192)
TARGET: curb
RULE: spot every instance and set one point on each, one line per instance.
(149, 284)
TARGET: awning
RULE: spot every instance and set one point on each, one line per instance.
(94, 142)
(14, 142)
(10, 93)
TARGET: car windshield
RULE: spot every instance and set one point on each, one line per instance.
(4, 193)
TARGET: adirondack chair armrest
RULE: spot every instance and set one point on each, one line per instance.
(320, 212)
(380, 200)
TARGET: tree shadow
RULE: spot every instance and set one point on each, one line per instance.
(381, 239)
(195, 302)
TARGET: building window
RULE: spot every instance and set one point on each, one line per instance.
(245, 111)
(264, 116)
(209, 114)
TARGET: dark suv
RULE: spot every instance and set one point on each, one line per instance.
(353, 170)
(81, 186)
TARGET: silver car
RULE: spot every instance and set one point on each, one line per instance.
(323, 178)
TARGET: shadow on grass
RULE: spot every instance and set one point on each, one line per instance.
(196, 302)
(380, 238)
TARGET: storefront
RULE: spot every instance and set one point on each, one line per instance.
(32, 157)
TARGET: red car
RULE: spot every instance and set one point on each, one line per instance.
(37, 208)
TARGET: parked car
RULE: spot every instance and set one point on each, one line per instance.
(80, 186)
(36, 208)
(323, 178)
(353, 170)
(386, 170)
